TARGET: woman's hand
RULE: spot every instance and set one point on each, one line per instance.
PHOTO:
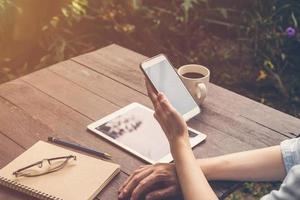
(155, 182)
(169, 119)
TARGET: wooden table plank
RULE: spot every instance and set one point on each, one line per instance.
(252, 110)
(103, 86)
(64, 98)
(226, 126)
(240, 126)
(63, 69)
(62, 121)
(110, 61)
(233, 126)
(26, 130)
(70, 94)
(236, 124)
(9, 150)
(126, 65)
(117, 63)
(111, 191)
(28, 123)
(21, 127)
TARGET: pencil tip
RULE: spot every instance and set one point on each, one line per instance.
(108, 156)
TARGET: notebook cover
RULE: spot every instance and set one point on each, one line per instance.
(83, 179)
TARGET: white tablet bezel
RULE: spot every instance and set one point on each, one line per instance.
(159, 58)
(166, 159)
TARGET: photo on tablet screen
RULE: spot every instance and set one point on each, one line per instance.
(138, 130)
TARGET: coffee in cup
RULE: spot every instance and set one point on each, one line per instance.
(195, 78)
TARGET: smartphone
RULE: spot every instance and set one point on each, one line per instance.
(164, 78)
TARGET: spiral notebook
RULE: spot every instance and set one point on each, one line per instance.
(82, 180)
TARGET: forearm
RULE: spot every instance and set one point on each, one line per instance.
(192, 181)
(256, 165)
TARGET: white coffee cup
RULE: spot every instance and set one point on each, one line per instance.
(195, 78)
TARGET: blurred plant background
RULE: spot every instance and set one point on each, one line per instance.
(252, 47)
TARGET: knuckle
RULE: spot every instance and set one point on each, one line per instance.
(141, 166)
(135, 172)
(134, 180)
(159, 175)
(156, 195)
(165, 102)
(168, 113)
(142, 183)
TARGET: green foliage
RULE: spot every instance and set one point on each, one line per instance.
(4, 4)
(5, 7)
(187, 5)
(252, 191)
(274, 51)
(58, 38)
(240, 41)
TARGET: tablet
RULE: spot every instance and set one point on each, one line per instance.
(134, 129)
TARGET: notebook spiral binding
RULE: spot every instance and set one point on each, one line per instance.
(27, 190)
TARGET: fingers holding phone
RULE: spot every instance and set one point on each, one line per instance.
(169, 119)
(162, 77)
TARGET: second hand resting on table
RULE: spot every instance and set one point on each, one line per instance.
(188, 175)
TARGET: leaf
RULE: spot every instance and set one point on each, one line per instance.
(261, 76)
(65, 12)
(44, 28)
(269, 64)
(294, 20)
(54, 21)
(188, 4)
(136, 4)
(283, 56)
(223, 12)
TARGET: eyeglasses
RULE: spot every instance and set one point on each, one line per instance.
(40, 168)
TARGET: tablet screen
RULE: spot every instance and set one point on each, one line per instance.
(135, 129)
(138, 129)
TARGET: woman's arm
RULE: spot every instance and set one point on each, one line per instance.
(255, 165)
(193, 183)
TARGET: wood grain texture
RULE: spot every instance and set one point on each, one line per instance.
(252, 110)
(70, 94)
(222, 122)
(61, 120)
(109, 61)
(26, 130)
(233, 126)
(63, 99)
(239, 127)
(99, 84)
(125, 69)
(82, 80)
(225, 120)
(22, 128)
(9, 150)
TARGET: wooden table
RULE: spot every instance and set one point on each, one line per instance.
(61, 100)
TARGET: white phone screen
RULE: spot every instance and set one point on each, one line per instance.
(165, 79)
